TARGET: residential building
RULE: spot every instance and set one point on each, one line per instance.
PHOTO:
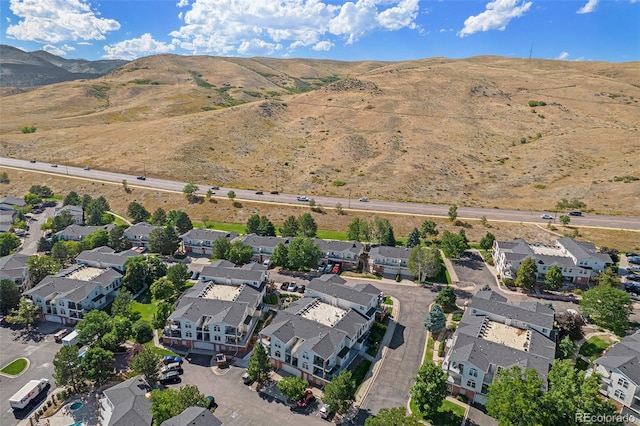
(495, 334)
(200, 241)
(263, 247)
(220, 312)
(390, 261)
(578, 260)
(319, 335)
(67, 296)
(138, 234)
(6, 219)
(77, 212)
(127, 404)
(193, 416)
(106, 257)
(9, 203)
(78, 232)
(14, 267)
(620, 371)
(347, 254)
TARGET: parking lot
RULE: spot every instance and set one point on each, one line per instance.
(40, 355)
(239, 404)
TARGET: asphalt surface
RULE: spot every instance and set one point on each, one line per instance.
(30, 241)
(349, 201)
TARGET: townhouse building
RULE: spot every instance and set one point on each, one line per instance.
(390, 261)
(138, 234)
(14, 267)
(347, 254)
(495, 334)
(200, 241)
(262, 247)
(77, 212)
(126, 404)
(106, 257)
(78, 232)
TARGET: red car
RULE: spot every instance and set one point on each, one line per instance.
(306, 399)
(274, 192)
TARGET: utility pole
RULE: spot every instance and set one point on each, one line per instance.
(349, 199)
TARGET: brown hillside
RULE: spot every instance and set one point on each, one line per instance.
(434, 130)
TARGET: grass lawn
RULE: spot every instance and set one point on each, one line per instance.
(457, 316)
(449, 414)
(16, 367)
(443, 277)
(581, 364)
(360, 372)
(428, 352)
(593, 347)
(145, 306)
(358, 275)
(159, 351)
(332, 235)
(240, 228)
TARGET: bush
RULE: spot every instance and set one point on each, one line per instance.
(463, 398)
(452, 327)
(441, 349)
(398, 278)
(338, 183)
(578, 291)
(28, 129)
(142, 331)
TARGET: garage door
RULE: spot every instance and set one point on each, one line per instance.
(203, 345)
(53, 318)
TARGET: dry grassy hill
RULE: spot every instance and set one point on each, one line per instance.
(434, 130)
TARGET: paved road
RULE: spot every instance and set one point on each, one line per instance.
(30, 243)
(346, 201)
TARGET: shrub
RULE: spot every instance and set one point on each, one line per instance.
(452, 327)
(441, 349)
(398, 278)
(338, 183)
(28, 129)
(578, 291)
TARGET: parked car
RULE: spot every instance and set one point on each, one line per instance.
(302, 198)
(292, 287)
(259, 192)
(174, 366)
(170, 377)
(632, 254)
(324, 411)
(49, 204)
(634, 268)
(633, 277)
(306, 399)
(633, 259)
(246, 379)
(209, 401)
(575, 213)
(302, 288)
(284, 285)
(141, 178)
(364, 199)
(546, 216)
(171, 359)
(195, 275)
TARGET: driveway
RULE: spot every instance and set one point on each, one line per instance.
(237, 403)
(40, 356)
(30, 242)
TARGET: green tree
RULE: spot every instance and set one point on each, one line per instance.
(220, 248)
(307, 226)
(180, 220)
(98, 238)
(453, 213)
(258, 367)
(413, 239)
(142, 331)
(137, 212)
(280, 256)
(25, 314)
(570, 325)
(566, 348)
(382, 232)
(608, 276)
(527, 274)
(85, 200)
(392, 417)
(94, 326)
(434, 320)
(515, 398)
(159, 319)
(32, 199)
(430, 388)
(190, 191)
(232, 196)
(65, 252)
(169, 402)
(125, 186)
(120, 332)
(340, 392)
(564, 219)
(303, 254)
(608, 307)
(358, 230)
(178, 274)
(486, 243)
(141, 271)
(148, 364)
(4, 178)
(239, 253)
(67, 370)
(290, 227)
(8, 242)
(122, 304)
(72, 199)
(164, 240)
(97, 364)
(453, 245)
(163, 289)
(253, 223)
(266, 228)
(41, 190)
(209, 194)
(159, 217)
(428, 228)
(424, 262)
(446, 298)
(553, 279)
(96, 212)
(61, 221)
(41, 266)
(117, 240)
(9, 296)
(293, 387)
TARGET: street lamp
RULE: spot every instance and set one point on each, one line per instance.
(349, 198)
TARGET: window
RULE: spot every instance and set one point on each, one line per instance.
(619, 394)
(187, 325)
(278, 354)
(305, 366)
(216, 328)
(216, 338)
(189, 334)
(623, 382)
(60, 303)
(304, 355)
(473, 372)
(471, 383)
(63, 312)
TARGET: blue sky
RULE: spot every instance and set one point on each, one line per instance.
(606, 30)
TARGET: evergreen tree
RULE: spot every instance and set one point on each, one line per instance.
(159, 217)
(527, 274)
(258, 367)
(413, 239)
(435, 320)
(290, 227)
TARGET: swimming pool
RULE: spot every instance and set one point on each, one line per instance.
(76, 406)
(76, 424)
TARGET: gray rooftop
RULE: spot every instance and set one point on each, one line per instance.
(82, 231)
(354, 247)
(625, 356)
(78, 210)
(528, 312)
(105, 255)
(193, 416)
(131, 407)
(390, 252)
(343, 292)
(139, 230)
(254, 240)
(210, 311)
(13, 201)
(208, 234)
(58, 286)
(244, 274)
(13, 265)
(583, 249)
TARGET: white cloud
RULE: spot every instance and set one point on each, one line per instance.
(498, 14)
(182, 3)
(258, 47)
(58, 50)
(58, 21)
(229, 26)
(563, 56)
(136, 47)
(589, 7)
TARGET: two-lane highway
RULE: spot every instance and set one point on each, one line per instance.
(421, 209)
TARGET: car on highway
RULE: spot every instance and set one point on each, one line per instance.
(86, 168)
(363, 199)
(274, 192)
(303, 198)
(54, 165)
(141, 178)
(32, 161)
(215, 188)
(259, 192)
(575, 213)
(546, 216)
